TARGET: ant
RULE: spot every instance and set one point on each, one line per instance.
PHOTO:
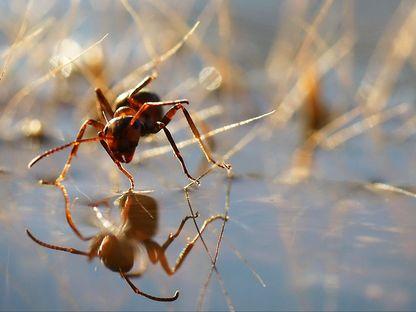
(116, 246)
(137, 113)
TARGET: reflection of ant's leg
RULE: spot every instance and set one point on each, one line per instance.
(55, 247)
(172, 237)
(68, 210)
(90, 122)
(139, 292)
(182, 256)
(118, 164)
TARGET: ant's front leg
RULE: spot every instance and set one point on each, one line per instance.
(68, 214)
(90, 122)
(56, 247)
(118, 164)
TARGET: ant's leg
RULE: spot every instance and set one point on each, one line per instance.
(176, 151)
(168, 117)
(172, 236)
(184, 253)
(60, 148)
(90, 122)
(139, 292)
(104, 104)
(118, 164)
(140, 86)
(55, 247)
(68, 214)
(126, 173)
(147, 105)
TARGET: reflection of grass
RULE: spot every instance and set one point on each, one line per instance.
(325, 108)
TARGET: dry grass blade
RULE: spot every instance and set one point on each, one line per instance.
(203, 114)
(390, 188)
(295, 97)
(246, 263)
(138, 21)
(28, 38)
(214, 267)
(220, 237)
(238, 147)
(130, 78)
(400, 48)
(19, 35)
(177, 21)
(19, 96)
(311, 33)
(360, 127)
(167, 148)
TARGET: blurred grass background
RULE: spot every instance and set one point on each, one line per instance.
(321, 204)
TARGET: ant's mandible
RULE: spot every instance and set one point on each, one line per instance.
(137, 113)
(116, 246)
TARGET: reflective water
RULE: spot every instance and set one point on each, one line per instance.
(336, 240)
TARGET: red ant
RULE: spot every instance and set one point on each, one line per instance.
(138, 113)
(116, 245)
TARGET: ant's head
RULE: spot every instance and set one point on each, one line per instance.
(122, 138)
(116, 254)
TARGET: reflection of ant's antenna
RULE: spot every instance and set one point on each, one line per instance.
(116, 246)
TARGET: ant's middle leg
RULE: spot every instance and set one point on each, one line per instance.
(90, 122)
(184, 253)
(56, 247)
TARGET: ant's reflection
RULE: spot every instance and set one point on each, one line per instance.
(118, 245)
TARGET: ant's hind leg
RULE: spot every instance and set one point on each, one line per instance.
(90, 122)
(168, 117)
(177, 152)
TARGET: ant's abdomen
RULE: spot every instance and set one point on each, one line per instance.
(140, 98)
